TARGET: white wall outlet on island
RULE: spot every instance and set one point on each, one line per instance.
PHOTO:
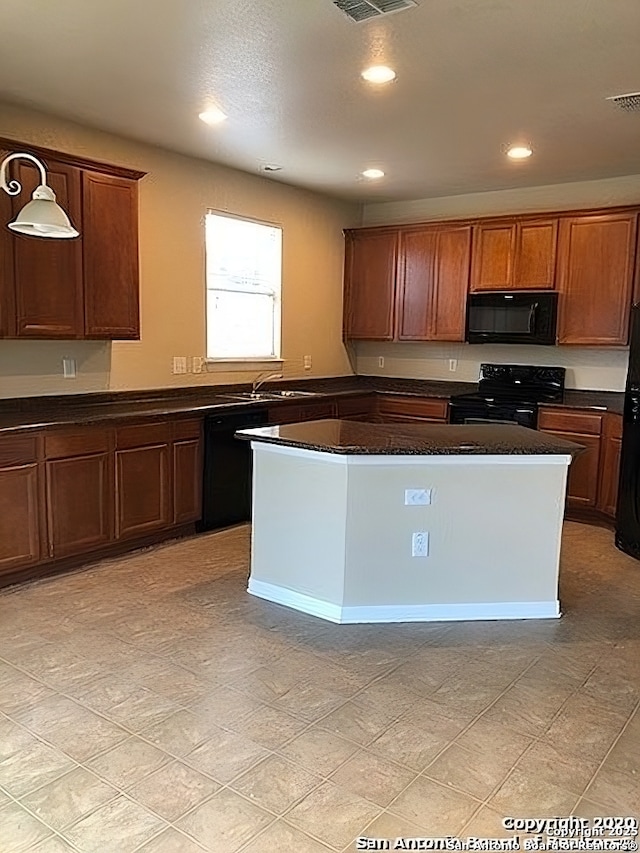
(380, 361)
(453, 364)
(420, 544)
(417, 497)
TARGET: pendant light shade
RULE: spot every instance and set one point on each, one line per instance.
(42, 216)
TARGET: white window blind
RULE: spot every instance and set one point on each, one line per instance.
(244, 274)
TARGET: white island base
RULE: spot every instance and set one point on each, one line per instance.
(333, 537)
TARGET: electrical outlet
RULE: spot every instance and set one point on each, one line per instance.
(453, 364)
(420, 544)
(417, 497)
(179, 364)
(197, 363)
(69, 368)
(380, 361)
(306, 362)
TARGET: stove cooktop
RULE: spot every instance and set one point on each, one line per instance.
(519, 383)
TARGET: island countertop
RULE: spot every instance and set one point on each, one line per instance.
(358, 438)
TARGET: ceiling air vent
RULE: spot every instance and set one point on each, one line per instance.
(630, 103)
(362, 10)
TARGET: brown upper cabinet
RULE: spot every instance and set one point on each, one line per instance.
(407, 284)
(514, 255)
(595, 270)
(370, 281)
(85, 287)
(433, 282)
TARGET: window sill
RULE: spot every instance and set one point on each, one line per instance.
(263, 360)
(243, 364)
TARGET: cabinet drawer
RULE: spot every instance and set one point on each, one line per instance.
(143, 435)
(570, 420)
(184, 430)
(297, 413)
(78, 442)
(349, 406)
(416, 407)
(18, 450)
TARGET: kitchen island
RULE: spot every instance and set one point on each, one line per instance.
(357, 522)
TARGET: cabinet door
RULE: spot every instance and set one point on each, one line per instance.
(493, 253)
(48, 273)
(187, 471)
(434, 279)
(143, 490)
(187, 481)
(416, 284)
(582, 485)
(80, 503)
(110, 217)
(19, 517)
(596, 267)
(535, 255)
(450, 285)
(370, 278)
(610, 465)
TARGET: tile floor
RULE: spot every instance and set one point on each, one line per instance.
(149, 704)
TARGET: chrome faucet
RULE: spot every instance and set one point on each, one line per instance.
(261, 378)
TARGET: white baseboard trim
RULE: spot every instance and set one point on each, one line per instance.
(404, 612)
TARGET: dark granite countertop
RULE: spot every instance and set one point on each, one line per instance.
(354, 438)
(27, 413)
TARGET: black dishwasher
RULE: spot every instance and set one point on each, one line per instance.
(226, 490)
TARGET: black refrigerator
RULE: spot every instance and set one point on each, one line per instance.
(628, 511)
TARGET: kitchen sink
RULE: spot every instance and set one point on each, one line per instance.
(270, 395)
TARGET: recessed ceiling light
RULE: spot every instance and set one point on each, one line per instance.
(373, 174)
(519, 152)
(212, 116)
(379, 74)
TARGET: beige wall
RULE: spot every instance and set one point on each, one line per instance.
(174, 197)
(333, 532)
(594, 368)
(587, 367)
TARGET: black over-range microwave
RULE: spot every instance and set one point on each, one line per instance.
(512, 318)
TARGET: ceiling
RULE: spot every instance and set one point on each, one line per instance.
(472, 76)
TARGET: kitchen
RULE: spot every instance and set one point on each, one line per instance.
(174, 194)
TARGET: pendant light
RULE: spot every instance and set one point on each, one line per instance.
(42, 216)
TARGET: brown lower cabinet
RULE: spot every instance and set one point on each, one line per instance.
(398, 409)
(583, 428)
(21, 519)
(610, 464)
(361, 408)
(294, 413)
(67, 491)
(187, 471)
(143, 492)
(79, 477)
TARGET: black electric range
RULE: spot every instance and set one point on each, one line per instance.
(509, 393)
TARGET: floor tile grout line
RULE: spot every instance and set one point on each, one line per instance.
(636, 709)
(534, 742)
(475, 719)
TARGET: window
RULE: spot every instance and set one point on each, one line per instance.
(244, 270)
